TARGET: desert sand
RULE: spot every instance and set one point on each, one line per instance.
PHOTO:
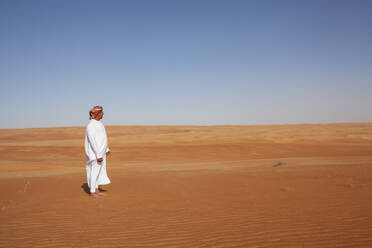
(190, 186)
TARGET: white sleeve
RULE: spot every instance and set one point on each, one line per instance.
(97, 142)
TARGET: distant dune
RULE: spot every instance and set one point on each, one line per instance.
(190, 186)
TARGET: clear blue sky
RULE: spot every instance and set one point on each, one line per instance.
(185, 62)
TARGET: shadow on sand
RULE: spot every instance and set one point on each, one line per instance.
(86, 189)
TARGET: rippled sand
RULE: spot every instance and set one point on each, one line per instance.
(190, 186)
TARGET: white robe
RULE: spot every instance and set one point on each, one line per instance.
(95, 148)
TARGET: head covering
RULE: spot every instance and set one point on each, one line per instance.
(95, 111)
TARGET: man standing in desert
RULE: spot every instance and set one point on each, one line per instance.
(96, 149)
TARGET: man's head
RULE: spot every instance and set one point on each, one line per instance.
(96, 113)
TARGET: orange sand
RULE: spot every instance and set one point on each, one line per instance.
(190, 186)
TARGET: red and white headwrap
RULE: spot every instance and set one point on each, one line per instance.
(95, 111)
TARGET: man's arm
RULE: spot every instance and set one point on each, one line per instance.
(96, 144)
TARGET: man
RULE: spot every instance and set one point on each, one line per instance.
(96, 149)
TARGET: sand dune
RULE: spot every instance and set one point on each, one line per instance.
(190, 186)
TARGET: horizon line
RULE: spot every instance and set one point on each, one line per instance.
(197, 125)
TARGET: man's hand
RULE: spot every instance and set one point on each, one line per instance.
(108, 153)
(99, 160)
